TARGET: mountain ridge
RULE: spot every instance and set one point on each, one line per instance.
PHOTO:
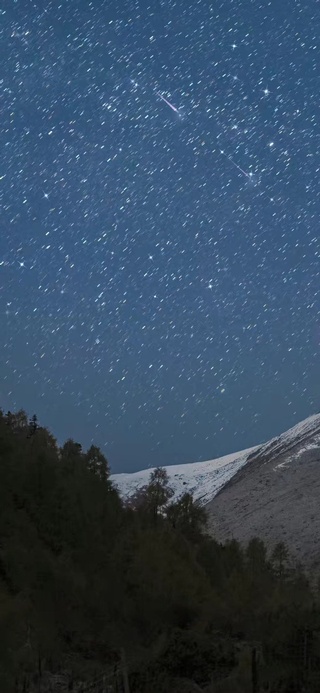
(230, 466)
(295, 436)
(202, 479)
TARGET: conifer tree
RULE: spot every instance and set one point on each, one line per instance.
(187, 516)
(279, 559)
(97, 463)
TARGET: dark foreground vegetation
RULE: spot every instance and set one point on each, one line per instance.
(136, 597)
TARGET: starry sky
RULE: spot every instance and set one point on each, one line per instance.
(159, 246)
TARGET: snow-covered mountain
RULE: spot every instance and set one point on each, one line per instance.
(202, 479)
(205, 479)
(271, 491)
(304, 436)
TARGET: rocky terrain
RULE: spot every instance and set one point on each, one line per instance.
(276, 495)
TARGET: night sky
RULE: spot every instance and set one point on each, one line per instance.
(158, 296)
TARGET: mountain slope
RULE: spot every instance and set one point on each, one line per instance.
(276, 495)
(202, 479)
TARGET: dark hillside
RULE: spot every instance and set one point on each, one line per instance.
(97, 595)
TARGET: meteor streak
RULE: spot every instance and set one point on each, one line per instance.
(167, 102)
(222, 152)
(245, 173)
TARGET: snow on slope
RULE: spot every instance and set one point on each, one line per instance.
(303, 436)
(205, 479)
(202, 479)
(307, 426)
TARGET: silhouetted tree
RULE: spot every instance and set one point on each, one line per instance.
(187, 516)
(279, 559)
(33, 426)
(97, 462)
(153, 498)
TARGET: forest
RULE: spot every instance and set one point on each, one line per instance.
(134, 596)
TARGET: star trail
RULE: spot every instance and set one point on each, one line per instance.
(159, 248)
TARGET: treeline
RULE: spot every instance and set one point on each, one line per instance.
(91, 585)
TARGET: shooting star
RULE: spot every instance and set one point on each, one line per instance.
(245, 173)
(168, 103)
